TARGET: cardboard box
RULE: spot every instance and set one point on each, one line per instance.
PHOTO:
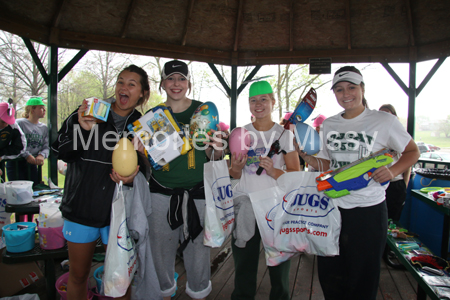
(98, 109)
(15, 277)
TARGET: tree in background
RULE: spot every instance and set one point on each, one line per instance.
(20, 77)
(291, 85)
(444, 126)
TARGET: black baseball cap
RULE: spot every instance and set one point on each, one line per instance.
(175, 66)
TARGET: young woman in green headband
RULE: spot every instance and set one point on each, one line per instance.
(264, 131)
(37, 149)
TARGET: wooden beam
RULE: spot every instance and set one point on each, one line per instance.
(36, 59)
(127, 22)
(348, 24)
(237, 32)
(58, 14)
(188, 19)
(412, 42)
(291, 25)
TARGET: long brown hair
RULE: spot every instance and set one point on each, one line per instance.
(144, 83)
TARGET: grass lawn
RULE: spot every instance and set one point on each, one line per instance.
(425, 136)
(61, 178)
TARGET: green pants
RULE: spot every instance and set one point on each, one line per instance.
(246, 270)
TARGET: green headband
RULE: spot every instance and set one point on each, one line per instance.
(260, 88)
(35, 101)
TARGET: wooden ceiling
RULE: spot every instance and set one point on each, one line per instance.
(240, 32)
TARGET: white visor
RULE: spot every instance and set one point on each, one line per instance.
(349, 76)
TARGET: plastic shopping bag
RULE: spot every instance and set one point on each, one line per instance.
(265, 204)
(219, 213)
(307, 220)
(120, 259)
(5, 218)
(49, 215)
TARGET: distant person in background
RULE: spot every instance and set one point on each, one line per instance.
(37, 148)
(396, 192)
(283, 121)
(317, 122)
(224, 127)
(12, 139)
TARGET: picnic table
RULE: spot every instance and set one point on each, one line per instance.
(48, 256)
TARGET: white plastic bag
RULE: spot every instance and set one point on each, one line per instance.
(307, 220)
(265, 204)
(219, 212)
(120, 260)
(49, 215)
(5, 218)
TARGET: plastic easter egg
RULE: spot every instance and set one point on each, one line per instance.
(204, 118)
(307, 138)
(124, 158)
(239, 141)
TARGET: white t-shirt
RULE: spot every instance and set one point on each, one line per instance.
(347, 140)
(260, 146)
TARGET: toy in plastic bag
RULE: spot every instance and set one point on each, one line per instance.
(265, 204)
(49, 215)
(219, 213)
(307, 220)
(120, 260)
(161, 136)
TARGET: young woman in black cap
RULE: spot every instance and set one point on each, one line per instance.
(348, 136)
(182, 178)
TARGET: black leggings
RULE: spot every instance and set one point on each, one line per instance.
(355, 272)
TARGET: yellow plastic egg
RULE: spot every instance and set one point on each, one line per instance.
(124, 158)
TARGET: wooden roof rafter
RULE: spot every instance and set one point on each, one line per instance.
(291, 25)
(127, 22)
(238, 25)
(348, 24)
(54, 30)
(186, 24)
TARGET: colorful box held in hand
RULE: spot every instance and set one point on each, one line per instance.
(161, 136)
(97, 108)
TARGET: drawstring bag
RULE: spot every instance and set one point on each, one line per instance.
(120, 260)
(219, 212)
(307, 220)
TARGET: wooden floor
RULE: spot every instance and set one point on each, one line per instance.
(394, 284)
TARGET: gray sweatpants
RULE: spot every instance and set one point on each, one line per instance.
(164, 242)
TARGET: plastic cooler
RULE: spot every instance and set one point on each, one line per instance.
(421, 218)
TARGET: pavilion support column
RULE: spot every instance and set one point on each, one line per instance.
(233, 97)
(52, 110)
(411, 98)
(234, 92)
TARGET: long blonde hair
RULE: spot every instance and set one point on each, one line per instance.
(28, 109)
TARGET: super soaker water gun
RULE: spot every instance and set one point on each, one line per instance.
(354, 176)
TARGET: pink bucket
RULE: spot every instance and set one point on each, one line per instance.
(51, 238)
(61, 287)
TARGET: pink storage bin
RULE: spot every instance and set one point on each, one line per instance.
(61, 287)
(51, 238)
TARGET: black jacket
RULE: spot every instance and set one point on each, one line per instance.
(12, 141)
(88, 189)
